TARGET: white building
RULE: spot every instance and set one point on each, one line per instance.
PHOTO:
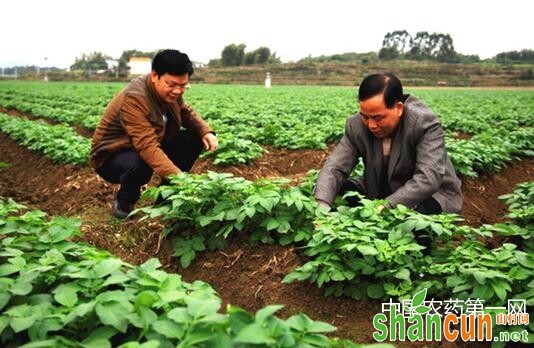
(140, 65)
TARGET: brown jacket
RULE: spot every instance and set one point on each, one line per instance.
(134, 119)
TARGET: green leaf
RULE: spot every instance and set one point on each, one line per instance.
(107, 266)
(500, 289)
(97, 343)
(65, 294)
(169, 329)
(114, 314)
(187, 257)
(20, 324)
(143, 317)
(4, 299)
(375, 291)
(454, 280)
(480, 277)
(7, 269)
(79, 311)
(404, 274)
(266, 312)
(146, 298)
(254, 334)
(180, 315)
(21, 287)
(367, 250)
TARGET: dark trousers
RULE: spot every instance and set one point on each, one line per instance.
(126, 167)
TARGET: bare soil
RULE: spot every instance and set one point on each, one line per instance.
(244, 275)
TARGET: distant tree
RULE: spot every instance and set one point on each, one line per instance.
(215, 63)
(421, 46)
(466, 58)
(518, 57)
(396, 43)
(432, 46)
(263, 54)
(233, 55)
(363, 58)
(251, 58)
(90, 62)
(442, 47)
(388, 53)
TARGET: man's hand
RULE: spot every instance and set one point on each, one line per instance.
(380, 208)
(210, 142)
(323, 206)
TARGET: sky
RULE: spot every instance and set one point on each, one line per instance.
(55, 32)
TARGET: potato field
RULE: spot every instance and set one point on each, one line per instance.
(238, 255)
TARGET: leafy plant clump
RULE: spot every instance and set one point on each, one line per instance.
(202, 211)
(57, 293)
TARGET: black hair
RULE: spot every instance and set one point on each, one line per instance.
(386, 83)
(172, 62)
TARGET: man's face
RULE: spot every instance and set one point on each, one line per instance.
(170, 87)
(380, 120)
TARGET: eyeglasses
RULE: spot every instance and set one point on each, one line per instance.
(173, 86)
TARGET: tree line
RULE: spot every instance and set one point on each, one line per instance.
(396, 45)
(235, 55)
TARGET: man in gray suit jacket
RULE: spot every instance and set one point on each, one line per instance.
(401, 142)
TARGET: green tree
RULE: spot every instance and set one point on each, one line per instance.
(395, 44)
(263, 55)
(233, 55)
(388, 53)
(510, 57)
(432, 46)
(90, 62)
(251, 58)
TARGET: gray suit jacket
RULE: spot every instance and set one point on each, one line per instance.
(419, 166)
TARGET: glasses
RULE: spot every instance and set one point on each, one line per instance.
(173, 86)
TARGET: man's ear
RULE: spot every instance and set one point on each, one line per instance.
(399, 108)
(153, 76)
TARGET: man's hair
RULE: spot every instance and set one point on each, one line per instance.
(172, 62)
(386, 83)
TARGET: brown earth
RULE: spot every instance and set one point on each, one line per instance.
(243, 275)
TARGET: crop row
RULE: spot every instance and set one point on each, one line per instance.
(487, 152)
(203, 210)
(357, 252)
(58, 293)
(246, 117)
(59, 142)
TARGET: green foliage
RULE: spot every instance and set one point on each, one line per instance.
(58, 293)
(234, 55)
(359, 252)
(424, 45)
(60, 143)
(494, 126)
(202, 211)
(233, 150)
(91, 61)
(521, 204)
(525, 56)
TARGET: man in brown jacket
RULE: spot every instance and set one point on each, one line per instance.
(140, 131)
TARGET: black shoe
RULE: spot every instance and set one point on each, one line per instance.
(121, 209)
